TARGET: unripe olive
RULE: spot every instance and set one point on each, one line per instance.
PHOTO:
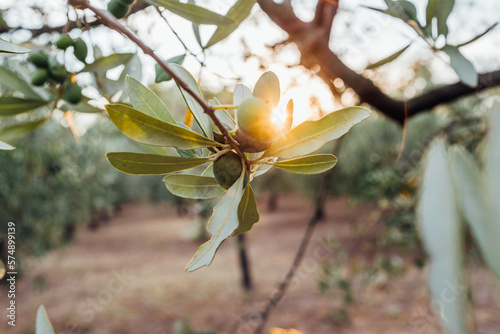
(39, 59)
(227, 169)
(80, 50)
(117, 8)
(56, 70)
(39, 77)
(73, 93)
(126, 2)
(64, 42)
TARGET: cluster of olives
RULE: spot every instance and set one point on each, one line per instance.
(80, 49)
(120, 8)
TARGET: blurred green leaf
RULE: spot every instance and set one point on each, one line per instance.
(161, 75)
(287, 125)
(394, 9)
(241, 93)
(150, 164)
(238, 12)
(478, 36)
(6, 147)
(12, 81)
(144, 100)
(311, 135)
(83, 106)
(104, 64)
(6, 47)
(132, 68)
(222, 224)
(149, 130)
(223, 115)
(442, 234)
(199, 115)
(312, 164)
(10, 105)
(15, 131)
(193, 186)
(196, 28)
(387, 59)
(267, 89)
(462, 66)
(193, 13)
(248, 214)
(440, 9)
(43, 324)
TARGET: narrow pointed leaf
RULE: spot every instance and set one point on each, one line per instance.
(442, 232)
(222, 224)
(83, 106)
(387, 59)
(462, 66)
(103, 64)
(148, 130)
(223, 115)
(15, 131)
(199, 115)
(10, 105)
(238, 12)
(267, 88)
(311, 135)
(248, 214)
(193, 13)
(161, 75)
(241, 93)
(5, 146)
(15, 83)
(43, 324)
(193, 186)
(478, 36)
(144, 100)
(289, 116)
(441, 10)
(311, 164)
(151, 164)
(209, 171)
(6, 47)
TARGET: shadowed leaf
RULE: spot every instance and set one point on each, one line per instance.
(193, 186)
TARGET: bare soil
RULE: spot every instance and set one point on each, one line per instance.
(128, 277)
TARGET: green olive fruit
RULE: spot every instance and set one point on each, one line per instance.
(56, 70)
(39, 59)
(73, 93)
(80, 50)
(118, 9)
(64, 42)
(227, 169)
(126, 2)
(255, 123)
(39, 77)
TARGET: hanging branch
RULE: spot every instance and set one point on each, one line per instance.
(112, 23)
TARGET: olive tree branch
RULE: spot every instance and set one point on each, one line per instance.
(112, 23)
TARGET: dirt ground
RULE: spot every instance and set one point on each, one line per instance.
(128, 277)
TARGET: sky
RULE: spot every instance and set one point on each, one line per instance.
(359, 35)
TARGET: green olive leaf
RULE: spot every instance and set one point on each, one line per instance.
(193, 13)
(150, 164)
(311, 164)
(209, 171)
(311, 135)
(144, 100)
(161, 75)
(6, 47)
(248, 214)
(14, 82)
(238, 12)
(14, 131)
(5, 146)
(267, 89)
(104, 64)
(241, 93)
(199, 115)
(222, 224)
(43, 324)
(223, 115)
(10, 105)
(462, 66)
(193, 186)
(149, 130)
(388, 59)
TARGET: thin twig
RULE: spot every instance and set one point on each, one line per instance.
(114, 24)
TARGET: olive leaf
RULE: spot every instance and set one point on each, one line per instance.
(462, 66)
(10, 105)
(222, 224)
(14, 82)
(6, 47)
(311, 164)
(43, 324)
(441, 10)
(267, 89)
(18, 130)
(149, 130)
(150, 164)
(104, 64)
(223, 115)
(388, 59)
(238, 12)
(193, 186)
(199, 115)
(5, 146)
(248, 214)
(287, 125)
(311, 135)
(193, 13)
(161, 75)
(144, 100)
(241, 93)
